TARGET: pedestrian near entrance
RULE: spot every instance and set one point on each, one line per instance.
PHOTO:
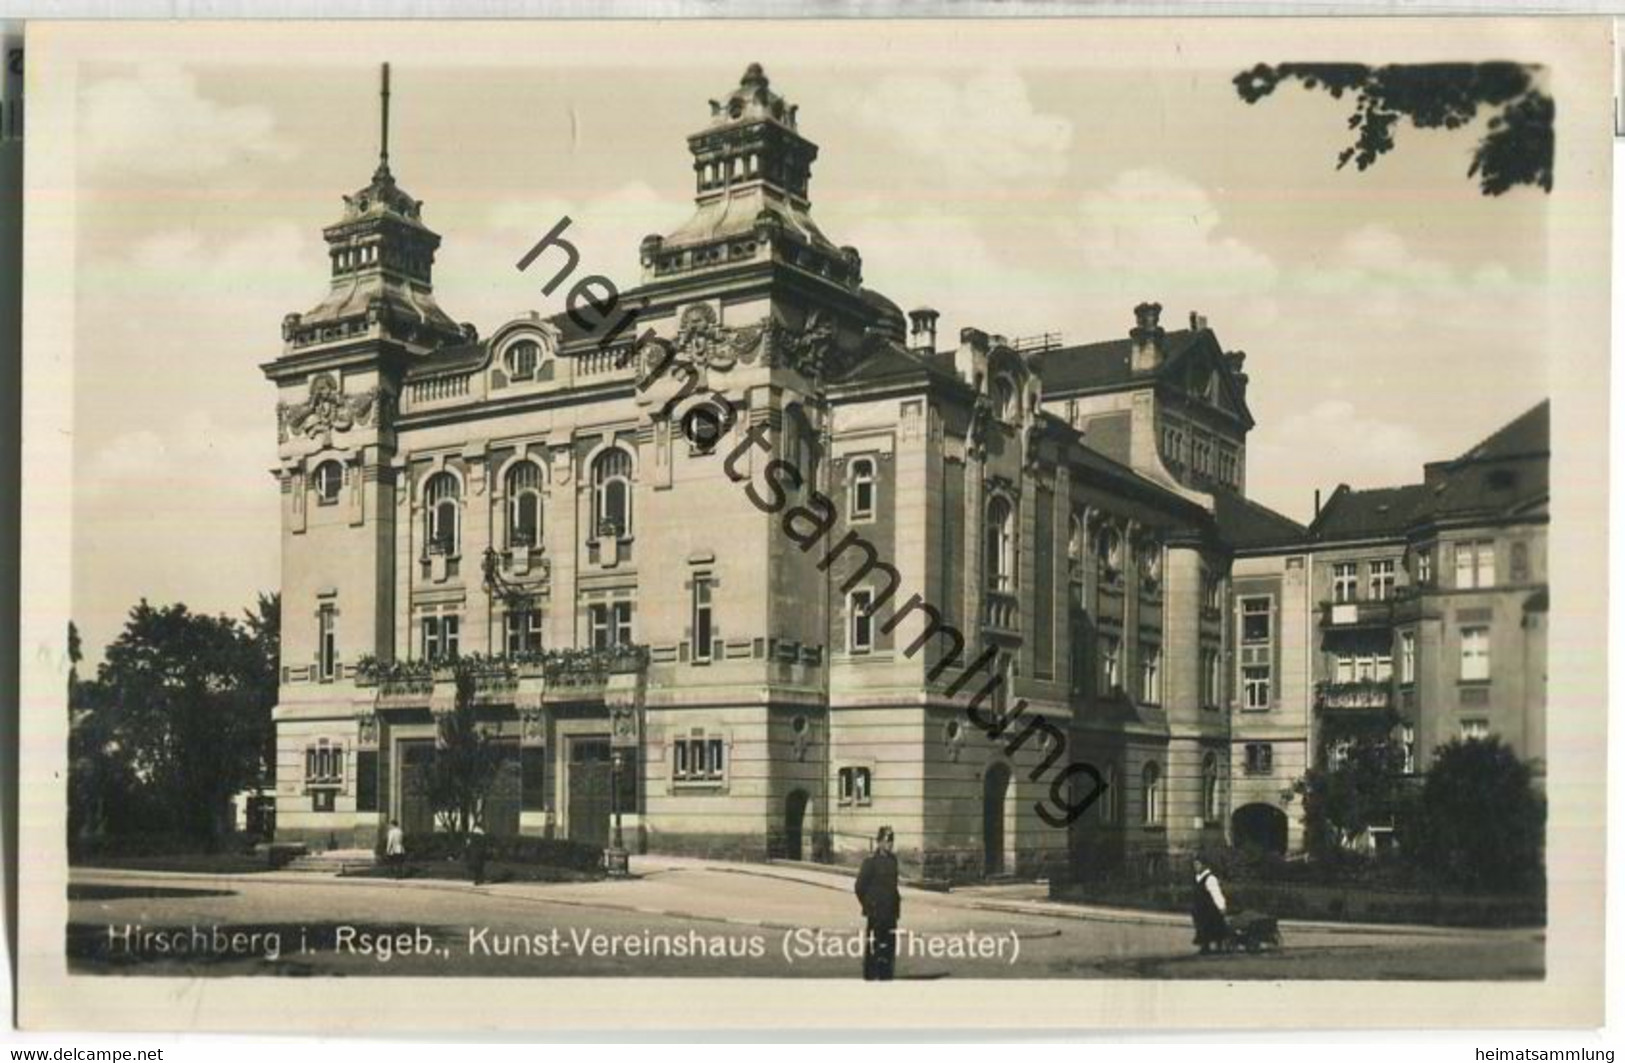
(395, 848)
(882, 908)
(476, 855)
(1207, 908)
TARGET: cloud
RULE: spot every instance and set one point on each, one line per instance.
(476, 274)
(983, 130)
(183, 511)
(155, 123)
(1151, 234)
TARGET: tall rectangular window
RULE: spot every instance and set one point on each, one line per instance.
(1475, 653)
(1424, 566)
(861, 608)
(702, 617)
(1407, 656)
(1210, 679)
(524, 631)
(1255, 620)
(1475, 564)
(610, 624)
(439, 638)
(1345, 581)
(1407, 745)
(1382, 579)
(327, 643)
(1260, 758)
(1255, 685)
(1111, 677)
(1150, 673)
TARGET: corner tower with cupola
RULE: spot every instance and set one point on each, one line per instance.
(338, 379)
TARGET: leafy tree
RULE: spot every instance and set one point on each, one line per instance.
(466, 760)
(185, 697)
(1516, 148)
(263, 625)
(1480, 823)
(1366, 788)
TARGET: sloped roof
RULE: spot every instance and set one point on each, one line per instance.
(1245, 524)
(456, 358)
(1528, 434)
(1506, 472)
(1102, 365)
(1371, 513)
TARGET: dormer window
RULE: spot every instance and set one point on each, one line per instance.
(522, 360)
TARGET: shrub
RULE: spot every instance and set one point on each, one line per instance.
(516, 849)
(1480, 824)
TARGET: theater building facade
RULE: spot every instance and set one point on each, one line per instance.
(751, 556)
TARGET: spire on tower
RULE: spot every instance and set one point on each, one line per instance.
(383, 122)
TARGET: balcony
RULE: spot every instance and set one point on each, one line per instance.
(1348, 616)
(1001, 612)
(569, 674)
(1366, 695)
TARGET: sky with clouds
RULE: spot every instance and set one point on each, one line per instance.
(1389, 317)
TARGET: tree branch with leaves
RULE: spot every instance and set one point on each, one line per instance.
(1517, 145)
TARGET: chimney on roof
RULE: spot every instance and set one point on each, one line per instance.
(1198, 322)
(1234, 360)
(1317, 503)
(923, 329)
(1147, 335)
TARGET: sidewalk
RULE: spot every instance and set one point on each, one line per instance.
(686, 887)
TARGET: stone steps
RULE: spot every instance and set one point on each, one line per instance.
(332, 862)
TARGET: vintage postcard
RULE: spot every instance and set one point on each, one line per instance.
(1093, 523)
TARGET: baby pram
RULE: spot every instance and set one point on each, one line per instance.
(1252, 931)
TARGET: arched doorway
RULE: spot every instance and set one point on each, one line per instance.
(795, 815)
(1260, 827)
(995, 788)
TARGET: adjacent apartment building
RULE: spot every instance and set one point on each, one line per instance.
(748, 558)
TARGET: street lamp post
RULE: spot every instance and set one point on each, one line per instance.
(615, 857)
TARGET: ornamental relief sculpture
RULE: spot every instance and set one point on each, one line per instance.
(704, 342)
(329, 410)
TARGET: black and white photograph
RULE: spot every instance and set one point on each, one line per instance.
(925, 502)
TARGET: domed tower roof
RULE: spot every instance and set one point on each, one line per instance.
(752, 169)
(382, 255)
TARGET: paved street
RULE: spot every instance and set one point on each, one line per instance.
(695, 918)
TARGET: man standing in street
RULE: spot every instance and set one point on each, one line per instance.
(395, 847)
(882, 907)
(1207, 909)
(476, 854)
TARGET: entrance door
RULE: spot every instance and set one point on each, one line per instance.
(589, 791)
(995, 787)
(502, 800)
(417, 761)
(795, 815)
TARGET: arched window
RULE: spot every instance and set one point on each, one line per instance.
(522, 359)
(999, 556)
(612, 493)
(1151, 793)
(524, 490)
(441, 514)
(1076, 548)
(863, 489)
(1210, 788)
(328, 480)
(1004, 399)
(1109, 550)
